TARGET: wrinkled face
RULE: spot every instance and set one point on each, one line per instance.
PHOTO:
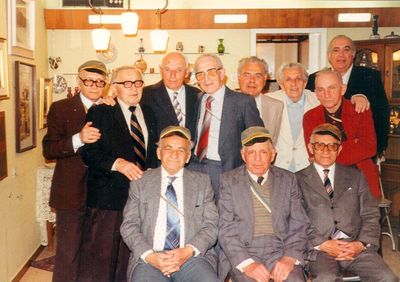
(173, 152)
(258, 157)
(173, 71)
(324, 157)
(252, 79)
(212, 76)
(329, 91)
(293, 83)
(132, 95)
(341, 55)
(93, 92)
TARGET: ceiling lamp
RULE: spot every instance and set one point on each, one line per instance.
(100, 36)
(159, 37)
(354, 17)
(129, 21)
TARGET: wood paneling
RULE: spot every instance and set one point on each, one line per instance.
(204, 19)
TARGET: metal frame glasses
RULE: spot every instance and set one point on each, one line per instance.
(319, 146)
(210, 72)
(128, 84)
(90, 82)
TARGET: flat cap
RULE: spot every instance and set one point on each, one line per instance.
(254, 132)
(328, 129)
(182, 131)
(93, 66)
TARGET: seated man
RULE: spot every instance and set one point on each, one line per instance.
(344, 230)
(359, 138)
(170, 220)
(262, 227)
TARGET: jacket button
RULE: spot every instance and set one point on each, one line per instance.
(332, 207)
(336, 222)
(246, 244)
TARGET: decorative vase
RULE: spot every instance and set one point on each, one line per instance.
(179, 46)
(141, 64)
(221, 47)
(141, 48)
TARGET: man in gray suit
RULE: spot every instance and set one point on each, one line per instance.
(344, 231)
(262, 226)
(170, 219)
(252, 77)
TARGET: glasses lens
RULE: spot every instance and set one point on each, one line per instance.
(200, 75)
(100, 83)
(212, 72)
(333, 147)
(138, 83)
(127, 84)
(89, 83)
(318, 146)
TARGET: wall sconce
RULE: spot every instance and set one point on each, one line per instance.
(129, 21)
(100, 36)
(159, 37)
(53, 62)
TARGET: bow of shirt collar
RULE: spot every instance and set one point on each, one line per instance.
(346, 75)
(86, 102)
(255, 177)
(217, 95)
(321, 173)
(171, 92)
(165, 174)
(299, 103)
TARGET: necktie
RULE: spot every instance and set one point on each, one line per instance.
(172, 236)
(177, 108)
(327, 184)
(205, 130)
(138, 139)
(260, 179)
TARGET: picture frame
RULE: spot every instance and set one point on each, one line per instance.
(21, 28)
(25, 97)
(3, 146)
(45, 100)
(4, 94)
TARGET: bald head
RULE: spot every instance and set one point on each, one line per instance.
(174, 70)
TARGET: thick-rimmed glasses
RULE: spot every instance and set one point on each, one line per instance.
(319, 146)
(210, 72)
(90, 82)
(128, 83)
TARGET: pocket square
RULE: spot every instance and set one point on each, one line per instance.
(349, 188)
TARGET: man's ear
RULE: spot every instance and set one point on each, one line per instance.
(343, 89)
(310, 148)
(158, 153)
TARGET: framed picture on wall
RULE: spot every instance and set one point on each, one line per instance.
(3, 146)
(45, 99)
(25, 97)
(21, 27)
(3, 70)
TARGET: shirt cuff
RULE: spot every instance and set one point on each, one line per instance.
(241, 266)
(196, 251)
(114, 166)
(145, 254)
(76, 142)
(317, 247)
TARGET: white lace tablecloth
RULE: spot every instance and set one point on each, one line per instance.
(43, 212)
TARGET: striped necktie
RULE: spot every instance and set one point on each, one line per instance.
(177, 108)
(205, 130)
(172, 236)
(138, 139)
(327, 184)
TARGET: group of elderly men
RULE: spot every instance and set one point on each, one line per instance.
(170, 183)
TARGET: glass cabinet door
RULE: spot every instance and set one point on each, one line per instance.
(392, 72)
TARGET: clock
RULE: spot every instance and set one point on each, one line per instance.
(109, 55)
(59, 84)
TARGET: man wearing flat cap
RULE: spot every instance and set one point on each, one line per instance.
(262, 225)
(344, 231)
(170, 221)
(67, 132)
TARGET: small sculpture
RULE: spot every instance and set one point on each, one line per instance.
(53, 62)
(179, 46)
(375, 34)
(141, 48)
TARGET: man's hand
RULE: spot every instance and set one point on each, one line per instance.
(179, 257)
(108, 100)
(89, 134)
(258, 272)
(337, 249)
(162, 261)
(351, 250)
(130, 170)
(282, 268)
(361, 103)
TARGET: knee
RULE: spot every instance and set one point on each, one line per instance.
(324, 276)
(388, 276)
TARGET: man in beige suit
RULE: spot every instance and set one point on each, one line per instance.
(253, 75)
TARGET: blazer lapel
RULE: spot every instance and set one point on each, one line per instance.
(243, 194)
(190, 195)
(120, 119)
(341, 178)
(227, 117)
(314, 182)
(153, 196)
(164, 103)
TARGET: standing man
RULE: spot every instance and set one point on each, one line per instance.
(170, 220)
(172, 101)
(67, 132)
(359, 139)
(253, 75)
(125, 148)
(344, 232)
(359, 80)
(223, 115)
(262, 226)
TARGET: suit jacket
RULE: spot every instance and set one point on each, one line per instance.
(236, 217)
(156, 97)
(286, 148)
(271, 114)
(360, 145)
(68, 188)
(352, 210)
(368, 82)
(141, 211)
(108, 189)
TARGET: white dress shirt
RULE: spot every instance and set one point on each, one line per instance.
(181, 100)
(331, 173)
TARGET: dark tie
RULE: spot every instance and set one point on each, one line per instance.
(138, 139)
(327, 184)
(177, 108)
(172, 236)
(205, 130)
(260, 179)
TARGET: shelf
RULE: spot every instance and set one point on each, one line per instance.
(184, 53)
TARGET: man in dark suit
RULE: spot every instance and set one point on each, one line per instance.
(223, 115)
(125, 148)
(262, 225)
(170, 219)
(344, 232)
(67, 132)
(172, 100)
(359, 80)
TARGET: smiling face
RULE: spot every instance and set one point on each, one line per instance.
(293, 83)
(252, 79)
(324, 157)
(130, 96)
(93, 92)
(341, 54)
(329, 90)
(174, 71)
(173, 152)
(258, 157)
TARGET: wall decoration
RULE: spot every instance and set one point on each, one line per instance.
(59, 84)
(25, 106)
(4, 94)
(3, 146)
(45, 100)
(21, 27)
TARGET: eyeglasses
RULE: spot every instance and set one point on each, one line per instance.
(210, 72)
(90, 82)
(128, 83)
(332, 147)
